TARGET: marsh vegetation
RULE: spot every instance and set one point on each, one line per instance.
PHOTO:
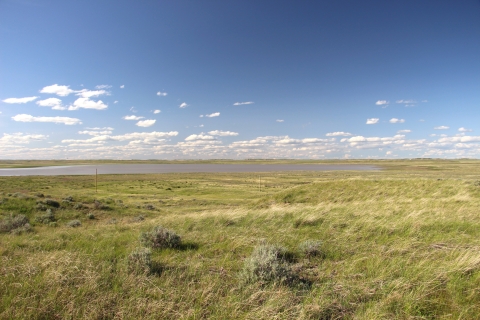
(401, 243)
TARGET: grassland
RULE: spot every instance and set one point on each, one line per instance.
(401, 243)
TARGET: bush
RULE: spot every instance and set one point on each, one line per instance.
(267, 264)
(90, 216)
(139, 261)
(12, 223)
(78, 206)
(46, 218)
(74, 223)
(160, 237)
(311, 248)
(52, 203)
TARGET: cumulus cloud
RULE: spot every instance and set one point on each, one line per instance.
(19, 100)
(157, 111)
(280, 120)
(103, 86)
(122, 86)
(84, 93)
(115, 102)
(395, 120)
(145, 123)
(372, 120)
(183, 105)
(54, 103)
(222, 133)
(441, 128)
(98, 128)
(243, 103)
(30, 118)
(201, 136)
(21, 138)
(462, 129)
(95, 133)
(404, 131)
(382, 102)
(161, 94)
(132, 117)
(213, 115)
(338, 133)
(85, 103)
(62, 91)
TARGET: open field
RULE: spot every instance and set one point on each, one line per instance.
(401, 243)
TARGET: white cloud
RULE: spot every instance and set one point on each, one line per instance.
(95, 133)
(29, 118)
(103, 86)
(388, 153)
(201, 116)
(145, 123)
(161, 94)
(395, 120)
(122, 86)
(462, 129)
(19, 100)
(338, 133)
(243, 103)
(404, 131)
(22, 138)
(132, 117)
(200, 136)
(382, 102)
(97, 128)
(183, 105)
(372, 120)
(86, 103)
(157, 111)
(212, 115)
(280, 120)
(441, 128)
(406, 101)
(222, 133)
(115, 102)
(133, 109)
(84, 93)
(62, 91)
(144, 135)
(54, 103)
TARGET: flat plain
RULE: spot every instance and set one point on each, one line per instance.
(399, 243)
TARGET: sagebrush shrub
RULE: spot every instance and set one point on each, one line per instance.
(139, 261)
(311, 248)
(12, 223)
(74, 223)
(46, 218)
(160, 237)
(267, 264)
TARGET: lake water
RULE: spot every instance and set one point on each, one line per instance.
(176, 168)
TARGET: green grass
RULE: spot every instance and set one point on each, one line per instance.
(402, 243)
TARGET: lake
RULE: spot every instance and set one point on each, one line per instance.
(176, 168)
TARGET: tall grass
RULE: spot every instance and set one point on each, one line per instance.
(396, 244)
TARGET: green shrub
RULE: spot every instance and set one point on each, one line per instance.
(267, 264)
(90, 216)
(139, 261)
(74, 223)
(46, 218)
(12, 223)
(160, 237)
(78, 206)
(52, 203)
(311, 248)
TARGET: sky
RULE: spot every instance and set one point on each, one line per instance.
(343, 79)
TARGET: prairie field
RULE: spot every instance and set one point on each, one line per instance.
(399, 243)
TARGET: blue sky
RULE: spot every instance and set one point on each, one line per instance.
(239, 79)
